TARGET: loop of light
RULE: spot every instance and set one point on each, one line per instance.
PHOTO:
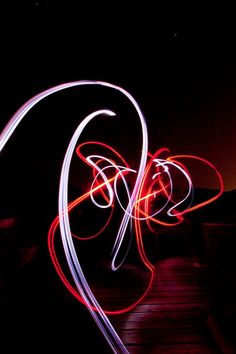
(136, 210)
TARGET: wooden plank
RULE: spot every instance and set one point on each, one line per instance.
(172, 317)
(183, 348)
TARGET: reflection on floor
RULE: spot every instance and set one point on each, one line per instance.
(38, 313)
(173, 317)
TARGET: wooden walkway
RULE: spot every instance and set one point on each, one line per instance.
(172, 318)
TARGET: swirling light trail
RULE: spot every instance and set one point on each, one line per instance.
(99, 316)
(136, 210)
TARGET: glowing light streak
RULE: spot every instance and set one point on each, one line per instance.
(165, 164)
(9, 129)
(209, 164)
(148, 185)
(120, 171)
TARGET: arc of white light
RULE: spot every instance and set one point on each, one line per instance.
(81, 283)
(104, 177)
(133, 198)
(165, 164)
(114, 341)
(20, 114)
(121, 170)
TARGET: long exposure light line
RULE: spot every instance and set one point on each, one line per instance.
(100, 317)
(153, 179)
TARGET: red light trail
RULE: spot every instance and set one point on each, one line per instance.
(152, 196)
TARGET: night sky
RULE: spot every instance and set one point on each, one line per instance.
(179, 64)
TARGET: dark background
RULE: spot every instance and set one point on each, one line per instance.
(178, 62)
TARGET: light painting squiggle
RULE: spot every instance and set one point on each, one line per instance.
(154, 177)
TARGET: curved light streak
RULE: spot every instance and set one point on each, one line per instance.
(104, 324)
(136, 210)
(209, 164)
(164, 164)
(143, 196)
